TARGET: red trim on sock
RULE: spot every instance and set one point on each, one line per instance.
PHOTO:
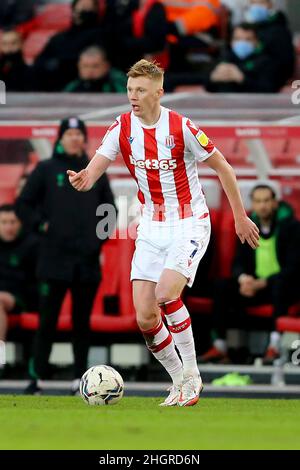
(172, 307)
(180, 326)
(159, 347)
(153, 331)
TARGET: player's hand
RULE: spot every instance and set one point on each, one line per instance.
(247, 231)
(80, 180)
(247, 285)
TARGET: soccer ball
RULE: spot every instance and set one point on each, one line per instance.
(101, 385)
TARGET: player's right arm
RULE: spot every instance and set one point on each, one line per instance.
(85, 179)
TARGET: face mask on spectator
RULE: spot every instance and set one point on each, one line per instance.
(242, 49)
(88, 18)
(257, 14)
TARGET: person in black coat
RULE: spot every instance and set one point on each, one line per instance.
(274, 33)
(245, 67)
(14, 72)
(56, 65)
(70, 247)
(268, 275)
(18, 256)
(133, 29)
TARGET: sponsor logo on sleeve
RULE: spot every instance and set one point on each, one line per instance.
(202, 139)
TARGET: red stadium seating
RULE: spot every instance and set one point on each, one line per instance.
(36, 42)
(30, 321)
(266, 310)
(13, 320)
(54, 16)
(287, 324)
(117, 255)
(7, 195)
(10, 174)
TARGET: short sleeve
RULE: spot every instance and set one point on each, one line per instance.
(197, 142)
(110, 146)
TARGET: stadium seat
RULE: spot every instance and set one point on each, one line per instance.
(10, 174)
(287, 324)
(35, 43)
(54, 16)
(30, 321)
(7, 195)
(116, 265)
(13, 320)
(266, 310)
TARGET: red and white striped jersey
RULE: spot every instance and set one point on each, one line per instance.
(162, 158)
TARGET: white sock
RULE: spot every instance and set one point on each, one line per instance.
(275, 340)
(160, 343)
(179, 322)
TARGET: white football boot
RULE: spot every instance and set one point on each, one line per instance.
(172, 398)
(190, 391)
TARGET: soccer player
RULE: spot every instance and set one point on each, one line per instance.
(160, 149)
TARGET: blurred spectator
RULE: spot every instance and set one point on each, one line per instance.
(134, 28)
(275, 35)
(69, 254)
(14, 12)
(56, 66)
(96, 74)
(268, 275)
(245, 67)
(192, 27)
(15, 73)
(18, 255)
(21, 183)
(237, 10)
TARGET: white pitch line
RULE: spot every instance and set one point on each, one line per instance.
(125, 107)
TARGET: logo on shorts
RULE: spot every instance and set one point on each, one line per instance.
(170, 142)
(196, 244)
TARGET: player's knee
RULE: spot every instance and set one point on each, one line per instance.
(164, 294)
(146, 321)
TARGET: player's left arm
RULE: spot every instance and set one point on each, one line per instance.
(245, 228)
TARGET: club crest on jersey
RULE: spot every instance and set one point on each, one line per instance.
(170, 142)
(130, 139)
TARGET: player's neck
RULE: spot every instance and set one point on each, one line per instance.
(152, 117)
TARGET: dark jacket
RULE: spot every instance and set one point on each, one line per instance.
(276, 37)
(16, 75)
(18, 265)
(56, 66)
(260, 72)
(70, 244)
(287, 232)
(124, 48)
(114, 82)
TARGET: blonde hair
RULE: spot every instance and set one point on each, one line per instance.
(144, 68)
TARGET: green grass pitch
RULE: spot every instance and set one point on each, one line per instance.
(138, 423)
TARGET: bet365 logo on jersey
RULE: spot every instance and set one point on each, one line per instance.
(154, 164)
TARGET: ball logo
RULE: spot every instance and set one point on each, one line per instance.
(153, 164)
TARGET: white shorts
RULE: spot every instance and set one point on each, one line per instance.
(179, 248)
